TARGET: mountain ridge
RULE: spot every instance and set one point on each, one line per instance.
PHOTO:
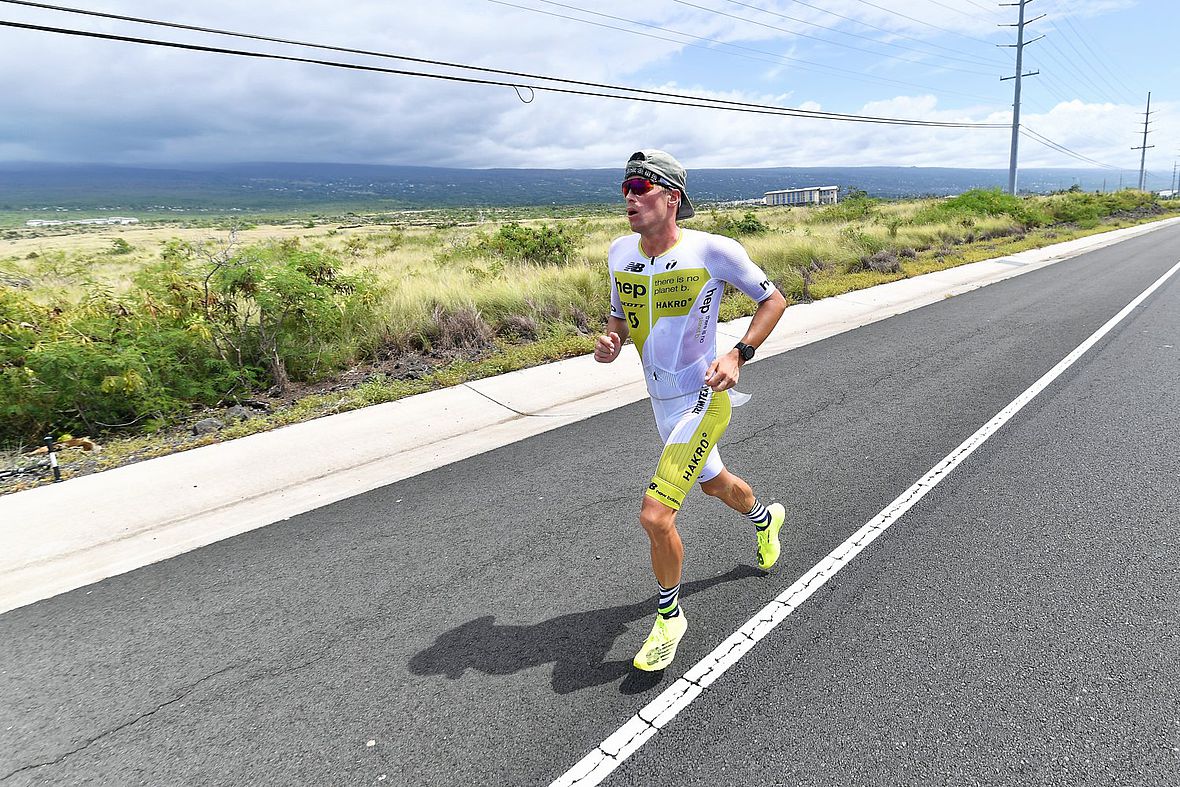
(277, 185)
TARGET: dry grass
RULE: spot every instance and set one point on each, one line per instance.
(486, 315)
(433, 276)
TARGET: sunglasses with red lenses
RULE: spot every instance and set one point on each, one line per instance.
(639, 186)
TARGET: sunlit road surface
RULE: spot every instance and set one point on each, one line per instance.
(475, 624)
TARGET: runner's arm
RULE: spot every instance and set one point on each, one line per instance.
(724, 372)
(608, 346)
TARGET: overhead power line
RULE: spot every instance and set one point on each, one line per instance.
(806, 65)
(960, 10)
(1072, 66)
(1052, 84)
(777, 58)
(1057, 146)
(1065, 64)
(424, 61)
(830, 41)
(922, 22)
(1104, 62)
(892, 33)
(648, 96)
(983, 8)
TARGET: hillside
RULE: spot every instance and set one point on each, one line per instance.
(37, 190)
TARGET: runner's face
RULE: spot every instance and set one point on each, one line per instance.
(651, 210)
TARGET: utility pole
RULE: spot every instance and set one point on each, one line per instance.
(1020, 43)
(1144, 146)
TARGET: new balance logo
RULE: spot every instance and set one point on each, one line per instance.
(634, 267)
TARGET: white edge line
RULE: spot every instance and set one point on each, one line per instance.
(621, 744)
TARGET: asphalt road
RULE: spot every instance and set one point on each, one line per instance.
(475, 624)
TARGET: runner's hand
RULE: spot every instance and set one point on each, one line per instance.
(607, 348)
(723, 373)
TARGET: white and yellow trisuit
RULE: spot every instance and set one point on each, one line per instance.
(671, 303)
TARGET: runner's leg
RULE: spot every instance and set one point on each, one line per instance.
(667, 551)
(731, 490)
(768, 520)
(696, 427)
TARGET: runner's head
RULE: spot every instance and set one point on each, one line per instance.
(661, 169)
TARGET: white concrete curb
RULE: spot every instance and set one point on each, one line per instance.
(63, 536)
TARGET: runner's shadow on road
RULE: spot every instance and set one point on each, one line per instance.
(577, 644)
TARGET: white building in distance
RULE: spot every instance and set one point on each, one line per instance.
(58, 223)
(810, 195)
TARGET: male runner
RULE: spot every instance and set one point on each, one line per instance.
(666, 287)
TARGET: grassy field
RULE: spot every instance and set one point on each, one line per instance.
(13, 222)
(129, 334)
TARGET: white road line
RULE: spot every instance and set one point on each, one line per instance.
(625, 741)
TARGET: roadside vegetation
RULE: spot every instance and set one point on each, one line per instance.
(128, 337)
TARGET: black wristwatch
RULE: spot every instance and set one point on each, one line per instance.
(744, 350)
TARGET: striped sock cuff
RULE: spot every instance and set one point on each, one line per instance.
(759, 515)
(669, 601)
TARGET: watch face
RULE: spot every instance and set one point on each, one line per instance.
(746, 351)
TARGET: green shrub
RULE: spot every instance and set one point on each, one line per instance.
(747, 225)
(356, 245)
(1083, 212)
(860, 243)
(1086, 209)
(984, 202)
(542, 245)
(1126, 200)
(288, 310)
(391, 241)
(858, 207)
(101, 364)
(120, 246)
(978, 203)
(197, 326)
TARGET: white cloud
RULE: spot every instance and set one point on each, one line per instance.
(76, 99)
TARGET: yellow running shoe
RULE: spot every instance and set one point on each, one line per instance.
(768, 547)
(660, 647)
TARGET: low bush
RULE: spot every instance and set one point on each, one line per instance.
(727, 225)
(546, 244)
(106, 363)
(859, 243)
(858, 207)
(458, 330)
(288, 310)
(982, 203)
(119, 246)
(884, 261)
(195, 327)
(518, 327)
(1084, 213)
(1086, 209)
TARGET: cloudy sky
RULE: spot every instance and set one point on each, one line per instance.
(67, 98)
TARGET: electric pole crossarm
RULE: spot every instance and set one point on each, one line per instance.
(1027, 22)
(1026, 43)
